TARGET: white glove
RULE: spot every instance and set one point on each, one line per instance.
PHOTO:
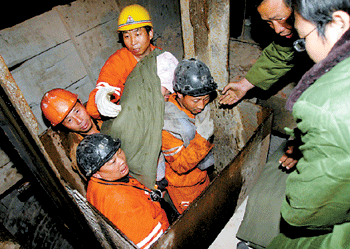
(205, 124)
(103, 100)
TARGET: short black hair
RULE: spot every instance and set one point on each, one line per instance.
(120, 34)
(256, 3)
(319, 12)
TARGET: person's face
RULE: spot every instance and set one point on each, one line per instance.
(276, 14)
(316, 46)
(115, 169)
(78, 120)
(166, 93)
(138, 42)
(193, 104)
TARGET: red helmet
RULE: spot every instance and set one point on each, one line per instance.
(57, 103)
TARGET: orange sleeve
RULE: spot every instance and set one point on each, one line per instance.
(91, 105)
(125, 218)
(183, 159)
(130, 210)
(114, 72)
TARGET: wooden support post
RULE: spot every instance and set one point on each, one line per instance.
(205, 29)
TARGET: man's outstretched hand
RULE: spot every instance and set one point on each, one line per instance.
(234, 91)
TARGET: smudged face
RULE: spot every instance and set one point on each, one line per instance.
(115, 169)
(78, 120)
(193, 104)
(138, 42)
(277, 15)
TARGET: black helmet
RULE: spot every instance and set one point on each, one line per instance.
(192, 77)
(94, 151)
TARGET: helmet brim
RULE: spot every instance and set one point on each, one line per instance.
(140, 24)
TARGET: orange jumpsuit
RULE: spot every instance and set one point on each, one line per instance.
(186, 181)
(129, 208)
(114, 72)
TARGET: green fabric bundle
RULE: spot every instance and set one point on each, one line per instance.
(140, 122)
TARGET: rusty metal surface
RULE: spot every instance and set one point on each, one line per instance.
(54, 144)
(16, 96)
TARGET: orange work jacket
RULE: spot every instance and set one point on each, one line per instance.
(186, 181)
(114, 72)
(129, 208)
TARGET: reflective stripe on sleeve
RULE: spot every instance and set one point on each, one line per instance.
(172, 151)
(152, 237)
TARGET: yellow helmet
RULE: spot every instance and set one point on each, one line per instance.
(132, 17)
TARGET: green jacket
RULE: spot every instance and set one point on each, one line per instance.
(274, 62)
(318, 192)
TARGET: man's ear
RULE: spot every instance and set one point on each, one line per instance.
(340, 22)
(151, 34)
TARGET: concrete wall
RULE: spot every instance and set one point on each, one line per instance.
(67, 46)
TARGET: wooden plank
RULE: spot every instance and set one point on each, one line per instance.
(95, 46)
(32, 37)
(9, 175)
(92, 26)
(58, 67)
(81, 16)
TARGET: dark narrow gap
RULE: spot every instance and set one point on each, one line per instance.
(19, 11)
(246, 24)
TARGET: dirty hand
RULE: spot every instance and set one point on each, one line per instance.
(290, 158)
(205, 124)
(104, 104)
(234, 91)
